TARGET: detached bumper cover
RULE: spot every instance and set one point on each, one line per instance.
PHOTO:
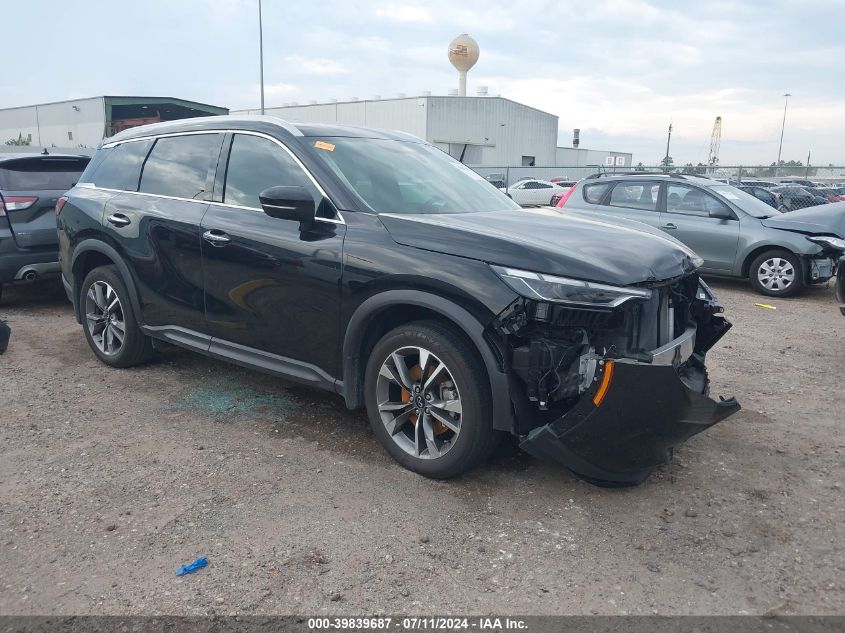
(647, 409)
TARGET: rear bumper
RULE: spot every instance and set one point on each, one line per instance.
(647, 410)
(15, 262)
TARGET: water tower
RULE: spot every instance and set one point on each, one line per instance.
(463, 53)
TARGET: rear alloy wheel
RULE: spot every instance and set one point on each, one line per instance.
(429, 401)
(109, 322)
(776, 274)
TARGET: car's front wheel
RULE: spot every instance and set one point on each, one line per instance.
(110, 325)
(776, 273)
(428, 399)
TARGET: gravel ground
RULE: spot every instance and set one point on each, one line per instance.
(111, 479)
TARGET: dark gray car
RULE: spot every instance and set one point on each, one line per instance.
(735, 234)
(30, 186)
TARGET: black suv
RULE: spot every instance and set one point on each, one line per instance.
(375, 266)
(30, 186)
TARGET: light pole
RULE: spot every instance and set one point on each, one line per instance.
(261, 53)
(782, 127)
(666, 158)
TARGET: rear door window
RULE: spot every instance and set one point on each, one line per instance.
(594, 192)
(635, 195)
(47, 174)
(120, 166)
(179, 166)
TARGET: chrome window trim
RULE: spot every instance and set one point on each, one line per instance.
(313, 180)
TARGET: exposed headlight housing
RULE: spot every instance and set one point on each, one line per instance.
(569, 291)
(826, 241)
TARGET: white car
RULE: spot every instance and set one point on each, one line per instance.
(533, 191)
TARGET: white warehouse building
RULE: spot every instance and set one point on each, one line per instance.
(482, 131)
(86, 122)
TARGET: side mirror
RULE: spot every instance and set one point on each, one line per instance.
(722, 213)
(289, 203)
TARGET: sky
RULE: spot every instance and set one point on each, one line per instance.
(620, 70)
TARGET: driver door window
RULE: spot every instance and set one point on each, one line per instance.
(686, 200)
(255, 164)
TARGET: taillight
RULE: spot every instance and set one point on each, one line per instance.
(565, 196)
(59, 204)
(17, 203)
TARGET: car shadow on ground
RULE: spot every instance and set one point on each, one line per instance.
(37, 294)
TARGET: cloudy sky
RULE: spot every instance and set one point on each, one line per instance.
(620, 70)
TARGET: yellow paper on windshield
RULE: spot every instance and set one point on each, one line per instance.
(323, 145)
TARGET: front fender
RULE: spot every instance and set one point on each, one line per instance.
(369, 309)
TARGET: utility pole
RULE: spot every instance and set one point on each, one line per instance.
(261, 53)
(782, 127)
(807, 171)
(666, 158)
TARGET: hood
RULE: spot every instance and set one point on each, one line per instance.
(547, 241)
(824, 219)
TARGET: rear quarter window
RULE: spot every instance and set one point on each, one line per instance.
(594, 192)
(118, 167)
(41, 174)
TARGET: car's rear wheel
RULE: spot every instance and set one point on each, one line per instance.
(110, 325)
(776, 273)
(429, 401)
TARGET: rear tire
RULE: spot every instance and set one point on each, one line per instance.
(109, 322)
(428, 399)
(776, 273)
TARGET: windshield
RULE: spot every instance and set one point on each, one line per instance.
(745, 201)
(405, 177)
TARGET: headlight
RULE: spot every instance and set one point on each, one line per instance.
(828, 242)
(570, 291)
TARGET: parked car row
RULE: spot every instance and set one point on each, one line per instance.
(733, 231)
(791, 195)
(535, 192)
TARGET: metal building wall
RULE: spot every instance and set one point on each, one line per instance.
(61, 124)
(505, 130)
(407, 115)
(572, 157)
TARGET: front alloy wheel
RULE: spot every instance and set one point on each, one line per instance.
(419, 402)
(104, 318)
(428, 399)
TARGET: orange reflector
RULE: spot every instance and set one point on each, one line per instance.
(606, 378)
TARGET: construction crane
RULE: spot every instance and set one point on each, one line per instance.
(715, 141)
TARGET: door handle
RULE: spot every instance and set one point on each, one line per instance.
(669, 226)
(216, 238)
(118, 219)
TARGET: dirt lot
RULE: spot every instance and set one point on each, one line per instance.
(110, 479)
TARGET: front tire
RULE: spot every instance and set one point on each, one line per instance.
(109, 322)
(428, 400)
(776, 273)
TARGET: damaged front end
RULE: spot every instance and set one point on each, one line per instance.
(607, 379)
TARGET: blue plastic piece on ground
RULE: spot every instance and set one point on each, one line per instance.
(190, 568)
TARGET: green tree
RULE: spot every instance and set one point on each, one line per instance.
(667, 163)
(639, 167)
(21, 141)
(694, 170)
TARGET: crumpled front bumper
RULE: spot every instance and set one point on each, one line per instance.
(646, 410)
